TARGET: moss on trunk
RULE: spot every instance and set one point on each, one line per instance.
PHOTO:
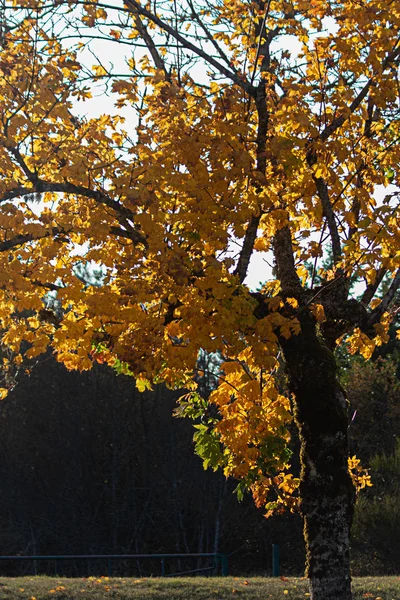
(327, 490)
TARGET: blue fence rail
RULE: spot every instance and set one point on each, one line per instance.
(218, 566)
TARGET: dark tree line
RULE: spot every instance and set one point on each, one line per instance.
(89, 465)
(374, 394)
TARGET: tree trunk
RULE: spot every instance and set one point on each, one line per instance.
(327, 491)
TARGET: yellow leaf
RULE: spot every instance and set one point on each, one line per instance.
(318, 312)
(292, 302)
(99, 70)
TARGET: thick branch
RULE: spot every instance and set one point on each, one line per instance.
(355, 209)
(285, 265)
(30, 175)
(68, 188)
(40, 186)
(130, 234)
(53, 287)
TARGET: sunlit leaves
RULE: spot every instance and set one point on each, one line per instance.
(359, 475)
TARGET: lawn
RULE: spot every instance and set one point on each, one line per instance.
(212, 588)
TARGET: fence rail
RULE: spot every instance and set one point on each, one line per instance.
(219, 565)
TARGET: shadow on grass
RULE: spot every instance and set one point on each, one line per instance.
(211, 588)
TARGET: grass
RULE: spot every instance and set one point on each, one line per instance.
(212, 588)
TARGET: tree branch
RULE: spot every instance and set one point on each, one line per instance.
(210, 37)
(323, 194)
(262, 132)
(70, 188)
(386, 300)
(372, 287)
(239, 80)
(285, 265)
(30, 175)
(155, 55)
(247, 248)
(53, 287)
(135, 236)
(19, 240)
(338, 121)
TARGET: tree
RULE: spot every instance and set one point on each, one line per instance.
(243, 143)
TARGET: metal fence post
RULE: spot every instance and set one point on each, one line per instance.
(224, 565)
(217, 560)
(275, 560)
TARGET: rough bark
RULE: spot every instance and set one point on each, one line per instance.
(327, 490)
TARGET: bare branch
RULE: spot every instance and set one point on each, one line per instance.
(230, 74)
(210, 37)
